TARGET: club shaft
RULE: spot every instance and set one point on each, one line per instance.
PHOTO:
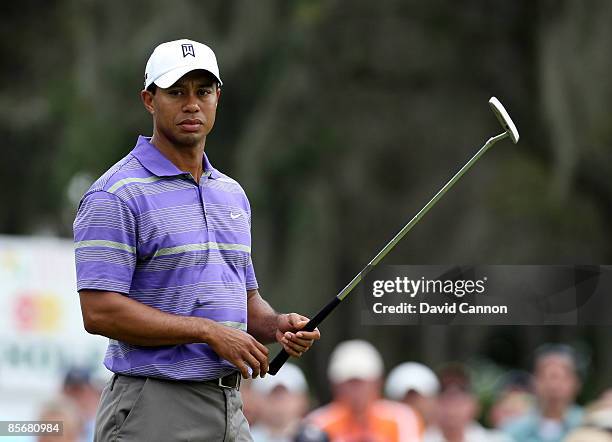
(282, 357)
(432, 202)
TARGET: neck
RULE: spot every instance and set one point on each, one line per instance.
(453, 435)
(284, 429)
(554, 411)
(187, 158)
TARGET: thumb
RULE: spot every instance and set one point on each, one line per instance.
(301, 323)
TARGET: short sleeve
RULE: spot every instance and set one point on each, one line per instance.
(105, 243)
(251, 280)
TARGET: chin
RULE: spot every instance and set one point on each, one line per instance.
(189, 139)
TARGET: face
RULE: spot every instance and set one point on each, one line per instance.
(283, 407)
(424, 405)
(456, 409)
(184, 113)
(357, 394)
(85, 396)
(509, 406)
(555, 380)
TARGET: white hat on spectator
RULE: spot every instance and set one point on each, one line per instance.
(411, 376)
(355, 359)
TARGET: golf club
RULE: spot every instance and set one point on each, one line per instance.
(509, 131)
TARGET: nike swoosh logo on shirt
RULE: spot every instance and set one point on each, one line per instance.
(235, 215)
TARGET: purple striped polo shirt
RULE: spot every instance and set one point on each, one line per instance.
(147, 230)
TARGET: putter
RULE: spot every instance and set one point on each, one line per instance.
(510, 131)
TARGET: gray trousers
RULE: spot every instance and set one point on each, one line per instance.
(138, 409)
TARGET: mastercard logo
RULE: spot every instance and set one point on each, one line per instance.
(37, 312)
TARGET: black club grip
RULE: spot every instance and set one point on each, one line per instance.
(282, 356)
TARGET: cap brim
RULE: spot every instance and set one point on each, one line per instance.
(169, 78)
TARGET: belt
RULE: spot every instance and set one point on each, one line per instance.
(230, 381)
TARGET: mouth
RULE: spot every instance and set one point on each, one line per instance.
(190, 125)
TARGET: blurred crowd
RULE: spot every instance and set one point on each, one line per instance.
(416, 403)
(74, 406)
(412, 403)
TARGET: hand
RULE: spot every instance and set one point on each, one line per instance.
(288, 334)
(239, 348)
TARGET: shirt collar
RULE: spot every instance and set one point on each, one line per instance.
(209, 169)
(157, 163)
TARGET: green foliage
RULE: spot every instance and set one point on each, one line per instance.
(340, 119)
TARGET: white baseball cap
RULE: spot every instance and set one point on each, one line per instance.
(289, 376)
(354, 359)
(173, 59)
(411, 376)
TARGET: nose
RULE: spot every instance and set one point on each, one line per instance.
(191, 105)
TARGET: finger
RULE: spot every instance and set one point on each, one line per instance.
(253, 363)
(263, 364)
(262, 348)
(301, 323)
(291, 351)
(313, 335)
(300, 341)
(297, 321)
(295, 346)
(262, 358)
(264, 367)
(244, 370)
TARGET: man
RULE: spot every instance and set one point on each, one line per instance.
(163, 256)
(252, 402)
(60, 409)
(357, 413)
(78, 386)
(556, 384)
(284, 403)
(457, 411)
(596, 425)
(417, 386)
(513, 399)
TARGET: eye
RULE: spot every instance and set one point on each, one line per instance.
(175, 92)
(204, 91)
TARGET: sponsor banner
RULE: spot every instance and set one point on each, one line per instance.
(41, 328)
(488, 295)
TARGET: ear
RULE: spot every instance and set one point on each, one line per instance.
(147, 101)
(218, 95)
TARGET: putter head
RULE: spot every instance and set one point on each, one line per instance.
(504, 119)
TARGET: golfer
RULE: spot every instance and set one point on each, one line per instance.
(164, 270)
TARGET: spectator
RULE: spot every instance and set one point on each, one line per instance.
(79, 388)
(514, 399)
(310, 433)
(357, 413)
(588, 434)
(61, 409)
(457, 411)
(251, 402)
(597, 423)
(557, 384)
(416, 385)
(286, 402)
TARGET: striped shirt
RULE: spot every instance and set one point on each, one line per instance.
(149, 231)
